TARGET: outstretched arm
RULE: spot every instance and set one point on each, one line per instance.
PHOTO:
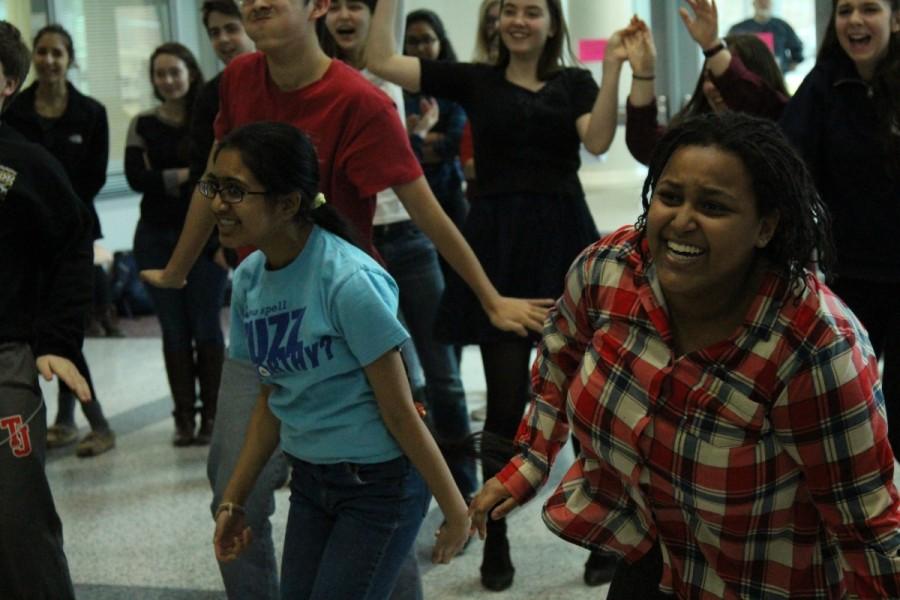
(387, 377)
(509, 314)
(198, 225)
(381, 54)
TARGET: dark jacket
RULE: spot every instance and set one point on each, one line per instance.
(79, 139)
(831, 120)
(45, 240)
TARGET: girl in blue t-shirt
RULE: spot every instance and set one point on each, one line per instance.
(317, 318)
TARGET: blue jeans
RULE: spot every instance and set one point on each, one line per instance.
(192, 312)
(412, 261)
(349, 529)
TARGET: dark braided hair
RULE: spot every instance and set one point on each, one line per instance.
(780, 180)
(284, 161)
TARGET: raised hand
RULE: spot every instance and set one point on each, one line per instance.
(704, 25)
(640, 49)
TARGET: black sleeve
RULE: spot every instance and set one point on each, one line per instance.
(140, 176)
(793, 45)
(66, 264)
(459, 82)
(97, 153)
(584, 90)
(202, 133)
(803, 119)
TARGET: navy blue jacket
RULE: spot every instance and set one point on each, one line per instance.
(831, 121)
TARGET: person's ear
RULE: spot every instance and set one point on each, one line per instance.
(319, 9)
(289, 205)
(10, 86)
(767, 228)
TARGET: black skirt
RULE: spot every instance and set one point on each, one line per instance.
(526, 243)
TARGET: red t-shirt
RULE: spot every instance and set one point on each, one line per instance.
(362, 145)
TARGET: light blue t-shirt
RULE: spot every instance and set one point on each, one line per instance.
(310, 328)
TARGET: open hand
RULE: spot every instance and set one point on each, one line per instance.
(704, 26)
(232, 536)
(451, 537)
(485, 504)
(49, 365)
(430, 113)
(519, 314)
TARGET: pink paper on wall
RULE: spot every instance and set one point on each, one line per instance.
(768, 39)
(591, 50)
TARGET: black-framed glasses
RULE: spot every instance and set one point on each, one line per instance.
(230, 193)
(425, 40)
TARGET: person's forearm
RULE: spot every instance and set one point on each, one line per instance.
(604, 115)
(407, 427)
(260, 442)
(428, 215)
(718, 62)
(643, 91)
(198, 225)
(380, 46)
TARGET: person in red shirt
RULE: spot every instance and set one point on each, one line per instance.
(728, 405)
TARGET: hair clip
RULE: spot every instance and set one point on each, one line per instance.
(319, 200)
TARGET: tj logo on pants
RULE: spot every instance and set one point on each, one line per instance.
(19, 438)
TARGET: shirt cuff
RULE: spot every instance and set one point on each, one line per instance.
(521, 478)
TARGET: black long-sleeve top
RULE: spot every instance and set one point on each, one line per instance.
(154, 151)
(79, 139)
(47, 250)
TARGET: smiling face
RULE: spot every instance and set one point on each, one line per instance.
(51, 58)
(227, 36)
(275, 24)
(525, 26)
(864, 29)
(253, 220)
(171, 77)
(703, 227)
(348, 23)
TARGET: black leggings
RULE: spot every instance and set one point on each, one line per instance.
(506, 370)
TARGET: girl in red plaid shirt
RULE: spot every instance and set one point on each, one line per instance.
(727, 402)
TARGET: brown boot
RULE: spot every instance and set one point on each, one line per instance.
(210, 357)
(180, 371)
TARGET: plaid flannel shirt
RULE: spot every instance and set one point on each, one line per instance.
(760, 464)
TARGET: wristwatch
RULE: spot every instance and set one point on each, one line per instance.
(710, 52)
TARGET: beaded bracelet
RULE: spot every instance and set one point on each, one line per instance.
(230, 508)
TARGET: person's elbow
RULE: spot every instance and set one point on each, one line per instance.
(598, 146)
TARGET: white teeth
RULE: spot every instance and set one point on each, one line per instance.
(684, 248)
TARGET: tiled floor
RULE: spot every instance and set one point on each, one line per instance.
(136, 520)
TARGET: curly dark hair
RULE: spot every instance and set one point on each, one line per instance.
(781, 182)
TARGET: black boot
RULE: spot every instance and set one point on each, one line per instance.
(600, 568)
(180, 371)
(210, 357)
(497, 570)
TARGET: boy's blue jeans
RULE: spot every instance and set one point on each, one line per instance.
(349, 528)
